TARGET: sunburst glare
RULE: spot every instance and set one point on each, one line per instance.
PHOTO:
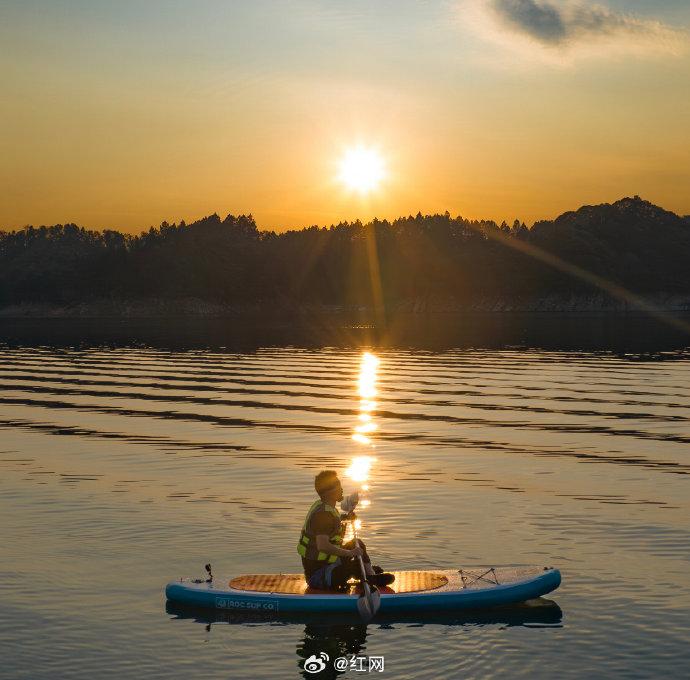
(361, 169)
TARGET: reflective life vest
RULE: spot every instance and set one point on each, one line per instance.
(307, 540)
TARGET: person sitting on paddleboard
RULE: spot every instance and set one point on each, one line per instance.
(328, 563)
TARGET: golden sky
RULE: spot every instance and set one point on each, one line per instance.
(124, 114)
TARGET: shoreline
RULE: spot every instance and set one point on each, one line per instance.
(204, 309)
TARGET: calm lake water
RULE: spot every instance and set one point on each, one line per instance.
(124, 465)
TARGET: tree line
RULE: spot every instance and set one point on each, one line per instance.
(630, 243)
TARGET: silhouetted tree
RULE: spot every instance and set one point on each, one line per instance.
(433, 258)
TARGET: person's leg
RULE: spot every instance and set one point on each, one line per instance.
(368, 569)
(333, 576)
(375, 575)
(318, 579)
(342, 572)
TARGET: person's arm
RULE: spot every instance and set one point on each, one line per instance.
(324, 545)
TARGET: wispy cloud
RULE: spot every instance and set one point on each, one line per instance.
(569, 27)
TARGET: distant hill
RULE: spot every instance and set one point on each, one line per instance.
(631, 242)
(629, 217)
(414, 263)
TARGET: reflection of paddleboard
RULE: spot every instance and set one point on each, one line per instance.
(538, 611)
(412, 591)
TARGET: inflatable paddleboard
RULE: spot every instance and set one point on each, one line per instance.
(412, 591)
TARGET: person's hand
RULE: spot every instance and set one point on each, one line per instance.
(356, 552)
(348, 516)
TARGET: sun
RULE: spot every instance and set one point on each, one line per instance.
(361, 169)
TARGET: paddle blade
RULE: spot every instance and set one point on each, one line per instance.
(375, 602)
(368, 602)
(364, 608)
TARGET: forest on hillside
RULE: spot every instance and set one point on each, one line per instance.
(631, 243)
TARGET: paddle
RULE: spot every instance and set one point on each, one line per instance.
(369, 600)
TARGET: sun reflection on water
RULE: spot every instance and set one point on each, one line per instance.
(360, 466)
(367, 392)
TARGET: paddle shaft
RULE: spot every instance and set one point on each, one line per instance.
(359, 557)
(373, 606)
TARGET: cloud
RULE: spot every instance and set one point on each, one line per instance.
(575, 27)
(542, 21)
